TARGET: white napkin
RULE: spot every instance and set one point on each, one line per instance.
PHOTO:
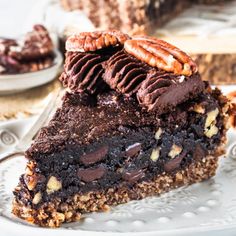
(18, 16)
(12, 16)
(50, 14)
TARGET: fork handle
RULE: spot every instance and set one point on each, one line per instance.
(10, 155)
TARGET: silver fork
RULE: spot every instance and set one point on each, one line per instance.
(25, 142)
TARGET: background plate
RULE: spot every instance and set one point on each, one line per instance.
(204, 207)
(19, 82)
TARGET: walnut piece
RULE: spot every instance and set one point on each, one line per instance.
(37, 198)
(213, 130)
(210, 128)
(199, 109)
(178, 177)
(84, 198)
(155, 154)
(92, 41)
(53, 185)
(160, 54)
(158, 134)
(31, 181)
(175, 151)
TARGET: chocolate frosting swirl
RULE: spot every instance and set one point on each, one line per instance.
(162, 93)
(155, 88)
(83, 72)
(125, 73)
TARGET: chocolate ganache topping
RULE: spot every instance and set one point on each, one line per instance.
(125, 73)
(83, 71)
(165, 91)
(157, 73)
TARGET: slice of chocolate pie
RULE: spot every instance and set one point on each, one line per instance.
(137, 121)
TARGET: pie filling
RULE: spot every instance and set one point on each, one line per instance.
(125, 155)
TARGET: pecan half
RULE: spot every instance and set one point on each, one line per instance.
(92, 41)
(160, 54)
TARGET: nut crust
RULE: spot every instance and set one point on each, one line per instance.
(92, 41)
(232, 98)
(160, 54)
(56, 212)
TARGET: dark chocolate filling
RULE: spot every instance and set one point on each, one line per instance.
(124, 157)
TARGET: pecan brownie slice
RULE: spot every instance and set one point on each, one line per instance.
(137, 121)
(32, 53)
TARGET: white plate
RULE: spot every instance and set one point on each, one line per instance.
(208, 208)
(19, 82)
(204, 207)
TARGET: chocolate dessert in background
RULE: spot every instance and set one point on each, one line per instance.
(33, 52)
(150, 17)
(131, 16)
(207, 33)
(137, 120)
(219, 69)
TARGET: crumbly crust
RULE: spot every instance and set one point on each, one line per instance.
(56, 212)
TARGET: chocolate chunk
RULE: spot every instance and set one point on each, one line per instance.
(199, 152)
(89, 175)
(174, 163)
(132, 176)
(95, 156)
(124, 73)
(132, 150)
